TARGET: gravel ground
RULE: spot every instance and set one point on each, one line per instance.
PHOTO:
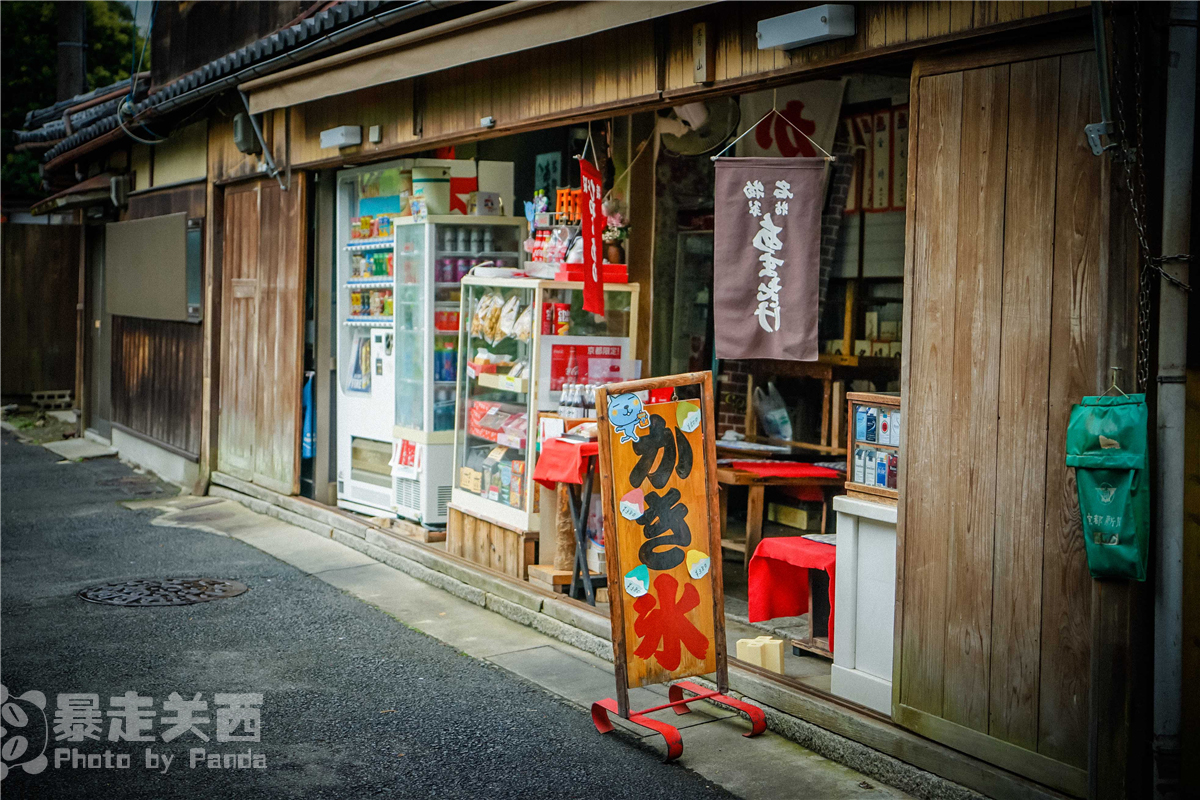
(355, 704)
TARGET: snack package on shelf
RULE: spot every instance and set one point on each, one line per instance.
(523, 329)
(482, 313)
(508, 318)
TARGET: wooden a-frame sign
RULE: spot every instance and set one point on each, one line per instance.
(662, 537)
(658, 475)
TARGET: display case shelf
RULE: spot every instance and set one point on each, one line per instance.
(481, 254)
(371, 244)
(369, 322)
(494, 380)
(382, 282)
(873, 445)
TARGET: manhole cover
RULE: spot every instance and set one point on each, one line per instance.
(171, 592)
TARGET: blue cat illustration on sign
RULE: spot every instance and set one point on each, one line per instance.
(626, 414)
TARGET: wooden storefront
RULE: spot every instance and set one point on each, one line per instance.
(1008, 316)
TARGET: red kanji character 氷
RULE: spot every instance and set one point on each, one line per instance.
(668, 624)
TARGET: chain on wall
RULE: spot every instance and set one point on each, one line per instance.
(1130, 127)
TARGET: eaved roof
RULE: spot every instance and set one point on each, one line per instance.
(289, 46)
(92, 106)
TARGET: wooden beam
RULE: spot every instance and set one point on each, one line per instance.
(81, 328)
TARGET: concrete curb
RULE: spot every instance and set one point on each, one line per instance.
(591, 633)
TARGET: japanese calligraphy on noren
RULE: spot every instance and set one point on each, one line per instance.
(664, 584)
(767, 243)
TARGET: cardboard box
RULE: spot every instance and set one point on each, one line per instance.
(497, 176)
(595, 557)
(765, 652)
(871, 325)
(889, 330)
(805, 518)
(470, 479)
(894, 349)
(862, 347)
(881, 349)
(431, 184)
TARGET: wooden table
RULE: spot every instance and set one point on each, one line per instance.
(757, 484)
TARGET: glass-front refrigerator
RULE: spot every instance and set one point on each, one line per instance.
(523, 342)
(369, 200)
(432, 257)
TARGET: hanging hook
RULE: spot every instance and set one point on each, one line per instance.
(1113, 385)
(583, 154)
(775, 111)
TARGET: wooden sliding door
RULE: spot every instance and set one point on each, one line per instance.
(262, 347)
(1004, 300)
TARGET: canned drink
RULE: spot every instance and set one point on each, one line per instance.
(547, 319)
(562, 318)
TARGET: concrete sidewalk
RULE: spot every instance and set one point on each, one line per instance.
(768, 766)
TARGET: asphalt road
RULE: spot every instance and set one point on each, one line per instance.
(354, 703)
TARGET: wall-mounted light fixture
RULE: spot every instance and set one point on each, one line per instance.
(809, 26)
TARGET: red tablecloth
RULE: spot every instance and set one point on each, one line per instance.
(785, 469)
(563, 461)
(779, 577)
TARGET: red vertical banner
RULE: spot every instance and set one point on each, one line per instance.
(593, 238)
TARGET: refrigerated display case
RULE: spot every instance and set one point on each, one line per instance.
(432, 256)
(522, 339)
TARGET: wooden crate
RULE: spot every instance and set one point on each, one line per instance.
(559, 580)
(490, 544)
(409, 529)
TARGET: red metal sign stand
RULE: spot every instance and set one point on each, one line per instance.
(758, 719)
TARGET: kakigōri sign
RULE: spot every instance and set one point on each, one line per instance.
(658, 469)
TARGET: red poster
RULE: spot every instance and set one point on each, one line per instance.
(593, 238)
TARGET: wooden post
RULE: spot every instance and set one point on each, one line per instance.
(848, 320)
(81, 330)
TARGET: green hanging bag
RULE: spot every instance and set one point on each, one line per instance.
(1106, 444)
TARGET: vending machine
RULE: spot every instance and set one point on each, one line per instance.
(369, 200)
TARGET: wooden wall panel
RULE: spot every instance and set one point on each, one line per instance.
(930, 391)
(991, 548)
(189, 199)
(614, 68)
(156, 380)
(158, 365)
(1022, 418)
(972, 426)
(38, 276)
(1076, 369)
(280, 362)
(239, 323)
(390, 107)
